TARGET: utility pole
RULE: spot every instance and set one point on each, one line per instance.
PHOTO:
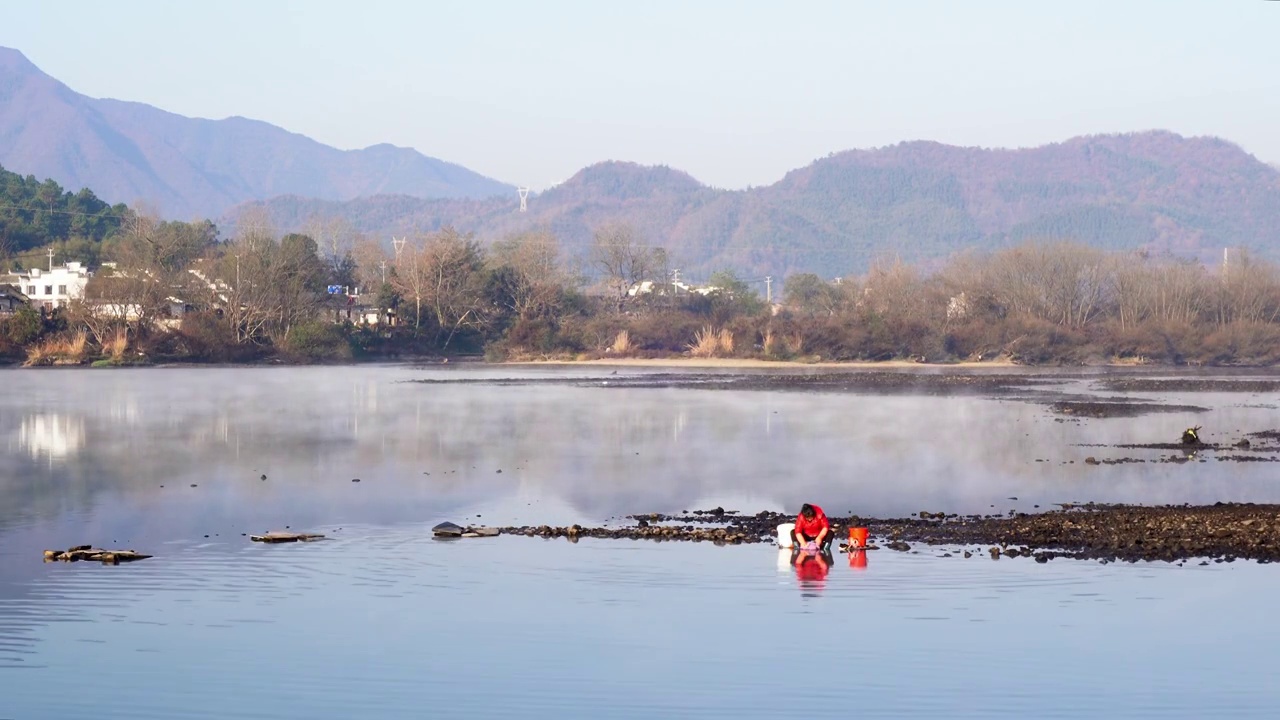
(768, 289)
(50, 259)
(383, 265)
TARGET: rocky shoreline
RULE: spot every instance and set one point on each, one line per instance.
(1222, 532)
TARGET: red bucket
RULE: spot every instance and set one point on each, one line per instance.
(857, 537)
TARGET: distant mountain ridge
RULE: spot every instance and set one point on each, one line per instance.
(192, 168)
(917, 201)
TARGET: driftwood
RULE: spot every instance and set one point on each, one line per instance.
(89, 552)
(277, 536)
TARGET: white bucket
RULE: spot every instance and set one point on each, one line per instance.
(784, 534)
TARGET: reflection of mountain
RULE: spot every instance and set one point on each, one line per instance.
(51, 435)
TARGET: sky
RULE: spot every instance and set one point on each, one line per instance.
(734, 93)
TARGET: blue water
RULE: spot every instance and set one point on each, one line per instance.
(382, 621)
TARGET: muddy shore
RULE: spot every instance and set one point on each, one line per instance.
(1222, 532)
(1046, 388)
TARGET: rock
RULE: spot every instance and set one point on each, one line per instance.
(1091, 460)
(88, 552)
(447, 529)
(277, 536)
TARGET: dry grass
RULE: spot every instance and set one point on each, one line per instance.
(622, 343)
(794, 343)
(73, 347)
(726, 341)
(116, 345)
(770, 344)
(39, 354)
(68, 348)
(706, 342)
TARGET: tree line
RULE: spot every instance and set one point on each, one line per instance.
(178, 291)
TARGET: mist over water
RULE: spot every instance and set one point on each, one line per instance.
(544, 628)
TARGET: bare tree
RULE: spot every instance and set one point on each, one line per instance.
(443, 271)
(1248, 291)
(623, 260)
(528, 274)
(336, 241)
(1063, 283)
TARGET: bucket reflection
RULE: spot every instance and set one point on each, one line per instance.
(858, 560)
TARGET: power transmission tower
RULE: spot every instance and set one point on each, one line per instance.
(524, 198)
(398, 244)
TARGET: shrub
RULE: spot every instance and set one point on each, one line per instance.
(317, 341)
(24, 326)
(203, 337)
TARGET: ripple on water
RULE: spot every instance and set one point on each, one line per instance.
(378, 621)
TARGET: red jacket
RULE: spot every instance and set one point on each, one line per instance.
(811, 528)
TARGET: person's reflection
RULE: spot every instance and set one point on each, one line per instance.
(811, 567)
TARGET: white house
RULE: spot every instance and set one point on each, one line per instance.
(645, 287)
(54, 287)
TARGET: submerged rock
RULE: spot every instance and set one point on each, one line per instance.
(88, 552)
(279, 536)
(448, 529)
(453, 530)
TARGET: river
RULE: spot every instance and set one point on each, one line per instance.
(381, 621)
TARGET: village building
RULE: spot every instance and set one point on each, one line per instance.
(52, 288)
(11, 299)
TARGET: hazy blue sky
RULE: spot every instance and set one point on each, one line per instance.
(735, 93)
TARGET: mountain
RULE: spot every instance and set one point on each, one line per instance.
(194, 168)
(918, 201)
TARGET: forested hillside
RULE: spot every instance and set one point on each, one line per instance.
(918, 201)
(34, 214)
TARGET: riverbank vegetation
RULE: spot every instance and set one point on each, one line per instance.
(180, 292)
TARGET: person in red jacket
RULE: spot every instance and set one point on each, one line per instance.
(812, 530)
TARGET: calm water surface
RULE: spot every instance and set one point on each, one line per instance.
(381, 621)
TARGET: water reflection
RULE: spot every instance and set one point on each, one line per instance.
(180, 462)
(858, 559)
(51, 435)
(811, 568)
(421, 449)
